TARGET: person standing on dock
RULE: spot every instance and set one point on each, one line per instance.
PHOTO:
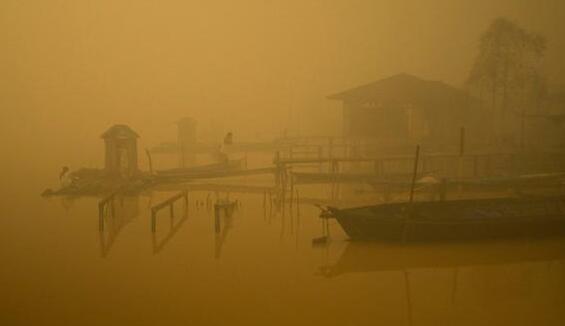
(65, 177)
(228, 139)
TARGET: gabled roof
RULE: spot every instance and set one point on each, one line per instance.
(186, 121)
(120, 132)
(404, 89)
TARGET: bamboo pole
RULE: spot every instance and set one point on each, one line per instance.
(415, 173)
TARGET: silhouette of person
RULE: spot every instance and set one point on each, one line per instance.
(228, 139)
(64, 171)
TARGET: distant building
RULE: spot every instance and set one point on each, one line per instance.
(121, 151)
(407, 108)
(186, 140)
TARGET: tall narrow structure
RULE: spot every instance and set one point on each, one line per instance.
(121, 151)
(186, 141)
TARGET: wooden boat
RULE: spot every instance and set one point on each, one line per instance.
(454, 219)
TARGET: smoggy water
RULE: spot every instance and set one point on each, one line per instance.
(59, 269)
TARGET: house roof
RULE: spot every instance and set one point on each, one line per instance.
(404, 89)
(186, 121)
(120, 132)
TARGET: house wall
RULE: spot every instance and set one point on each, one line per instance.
(113, 163)
(383, 123)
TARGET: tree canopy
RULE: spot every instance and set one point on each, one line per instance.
(507, 66)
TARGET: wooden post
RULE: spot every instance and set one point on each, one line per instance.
(462, 141)
(153, 221)
(149, 160)
(415, 173)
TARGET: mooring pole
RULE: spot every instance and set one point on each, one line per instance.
(460, 160)
(415, 173)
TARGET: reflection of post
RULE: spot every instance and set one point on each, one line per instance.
(291, 191)
(111, 221)
(297, 203)
(101, 218)
(454, 289)
(408, 297)
(103, 207)
(174, 228)
(169, 202)
(217, 227)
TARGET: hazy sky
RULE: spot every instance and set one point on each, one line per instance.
(72, 68)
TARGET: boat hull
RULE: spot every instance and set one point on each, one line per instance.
(455, 220)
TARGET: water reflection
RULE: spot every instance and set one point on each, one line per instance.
(174, 227)
(472, 283)
(363, 257)
(119, 213)
(224, 213)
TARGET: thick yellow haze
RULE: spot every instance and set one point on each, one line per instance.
(70, 69)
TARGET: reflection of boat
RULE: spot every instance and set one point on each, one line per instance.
(455, 219)
(362, 257)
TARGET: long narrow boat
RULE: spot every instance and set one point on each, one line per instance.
(454, 219)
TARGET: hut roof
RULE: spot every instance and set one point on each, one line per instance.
(404, 89)
(186, 121)
(120, 132)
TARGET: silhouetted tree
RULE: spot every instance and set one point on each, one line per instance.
(506, 71)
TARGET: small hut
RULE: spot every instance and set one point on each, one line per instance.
(407, 108)
(121, 151)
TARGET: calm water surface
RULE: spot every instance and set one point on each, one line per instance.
(58, 269)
